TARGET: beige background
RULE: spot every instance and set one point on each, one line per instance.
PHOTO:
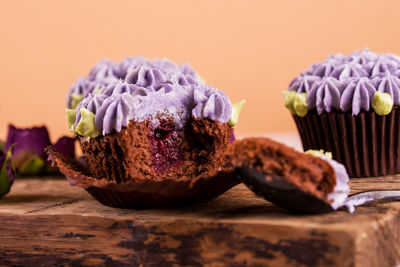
(249, 49)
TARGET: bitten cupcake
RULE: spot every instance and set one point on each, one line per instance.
(152, 132)
(349, 105)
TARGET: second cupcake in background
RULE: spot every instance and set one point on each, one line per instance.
(349, 105)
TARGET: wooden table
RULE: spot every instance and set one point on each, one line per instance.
(46, 222)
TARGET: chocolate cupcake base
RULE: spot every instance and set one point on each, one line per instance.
(366, 144)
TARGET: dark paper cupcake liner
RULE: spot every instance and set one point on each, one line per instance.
(145, 193)
(367, 144)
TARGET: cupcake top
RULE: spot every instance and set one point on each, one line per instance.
(138, 89)
(361, 81)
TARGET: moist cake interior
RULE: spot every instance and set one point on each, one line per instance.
(312, 174)
(142, 151)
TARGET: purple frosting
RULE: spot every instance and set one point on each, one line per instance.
(211, 103)
(145, 76)
(362, 57)
(325, 94)
(92, 103)
(325, 68)
(148, 91)
(80, 87)
(117, 88)
(128, 64)
(103, 70)
(390, 84)
(341, 189)
(357, 96)
(115, 113)
(348, 83)
(348, 71)
(303, 83)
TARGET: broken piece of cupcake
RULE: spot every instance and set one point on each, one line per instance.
(310, 182)
(155, 135)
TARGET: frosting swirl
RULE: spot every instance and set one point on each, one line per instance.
(357, 96)
(389, 84)
(182, 79)
(126, 65)
(362, 57)
(92, 103)
(382, 65)
(115, 113)
(103, 70)
(120, 87)
(325, 68)
(303, 83)
(145, 76)
(211, 103)
(79, 88)
(325, 95)
(348, 70)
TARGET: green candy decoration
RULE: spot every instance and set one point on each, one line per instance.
(289, 97)
(70, 115)
(382, 103)
(86, 126)
(300, 104)
(319, 153)
(236, 109)
(76, 99)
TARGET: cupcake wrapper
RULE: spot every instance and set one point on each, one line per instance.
(127, 195)
(144, 193)
(367, 144)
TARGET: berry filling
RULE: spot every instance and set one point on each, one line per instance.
(164, 147)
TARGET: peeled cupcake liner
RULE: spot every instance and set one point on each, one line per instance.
(145, 193)
(367, 144)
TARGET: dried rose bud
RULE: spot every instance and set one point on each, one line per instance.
(6, 172)
(29, 157)
(66, 146)
(28, 152)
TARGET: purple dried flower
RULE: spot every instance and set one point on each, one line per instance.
(66, 146)
(29, 157)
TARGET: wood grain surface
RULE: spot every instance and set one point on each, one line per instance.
(46, 222)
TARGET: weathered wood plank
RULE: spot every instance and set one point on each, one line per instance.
(48, 222)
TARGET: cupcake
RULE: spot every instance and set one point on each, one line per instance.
(152, 132)
(349, 105)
